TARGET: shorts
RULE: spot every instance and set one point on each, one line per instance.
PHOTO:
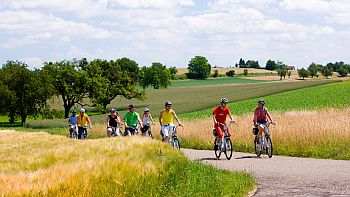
(145, 128)
(265, 126)
(220, 129)
(131, 130)
(110, 131)
(168, 128)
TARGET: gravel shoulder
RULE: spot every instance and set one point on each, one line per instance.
(285, 176)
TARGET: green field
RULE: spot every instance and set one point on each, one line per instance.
(213, 81)
(336, 95)
(188, 99)
(39, 164)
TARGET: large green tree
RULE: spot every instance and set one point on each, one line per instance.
(313, 69)
(282, 70)
(327, 71)
(173, 71)
(70, 82)
(198, 68)
(271, 65)
(109, 80)
(343, 71)
(157, 76)
(25, 91)
(303, 73)
(131, 66)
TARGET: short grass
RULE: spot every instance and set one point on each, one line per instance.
(334, 95)
(39, 164)
(312, 133)
(189, 99)
(213, 81)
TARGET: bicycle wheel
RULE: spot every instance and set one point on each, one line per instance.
(269, 149)
(217, 150)
(257, 147)
(228, 148)
(150, 134)
(176, 143)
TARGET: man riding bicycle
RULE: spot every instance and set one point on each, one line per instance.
(262, 119)
(166, 120)
(131, 121)
(72, 123)
(220, 114)
(113, 123)
(83, 121)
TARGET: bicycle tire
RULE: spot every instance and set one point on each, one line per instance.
(269, 149)
(217, 151)
(257, 150)
(150, 135)
(228, 148)
(176, 143)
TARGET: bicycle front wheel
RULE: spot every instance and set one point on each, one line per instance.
(217, 150)
(176, 143)
(269, 149)
(228, 148)
(257, 146)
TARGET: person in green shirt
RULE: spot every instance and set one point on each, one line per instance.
(131, 121)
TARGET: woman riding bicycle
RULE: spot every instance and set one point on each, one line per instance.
(220, 114)
(262, 119)
(113, 123)
(146, 121)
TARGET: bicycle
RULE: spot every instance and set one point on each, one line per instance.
(73, 134)
(131, 130)
(174, 141)
(147, 131)
(224, 145)
(82, 132)
(265, 143)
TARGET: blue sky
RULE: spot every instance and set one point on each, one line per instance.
(296, 32)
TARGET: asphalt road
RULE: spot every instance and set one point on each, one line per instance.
(285, 176)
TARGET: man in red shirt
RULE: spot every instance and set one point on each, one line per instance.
(219, 117)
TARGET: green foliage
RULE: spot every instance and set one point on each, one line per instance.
(343, 72)
(109, 80)
(173, 71)
(230, 73)
(198, 68)
(327, 71)
(282, 70)
(157, 76)
(303, 73)
(245, 72)
(69, 81)
(249, 64)
(216, 73)
(24, 92)
(271, 65)
(313, 69)
(335, 95)
(131, 67)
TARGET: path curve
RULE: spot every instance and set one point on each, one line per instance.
(285, 176)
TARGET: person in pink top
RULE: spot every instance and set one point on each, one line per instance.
(262, 118)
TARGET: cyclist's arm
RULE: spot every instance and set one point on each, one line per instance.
(89, 121)
(118, 120)
(214, 119)
(176, 118)
(150, 117)
(160, 118)
(230, 116)
(268, 116)
(255, 119)
(139, 121)
(107, 121)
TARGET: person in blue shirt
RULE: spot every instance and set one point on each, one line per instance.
(72, 122)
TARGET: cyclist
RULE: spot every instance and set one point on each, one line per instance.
(146, 119)
(72, 123)
(131, 121)
(262, 119)
(220, 114)
(113, 122)
(83, 121)
(166, 120)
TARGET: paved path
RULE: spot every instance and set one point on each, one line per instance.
(285, 176)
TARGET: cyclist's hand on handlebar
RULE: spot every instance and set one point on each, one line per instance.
(180, 125)
(232, 122)
(273, 123)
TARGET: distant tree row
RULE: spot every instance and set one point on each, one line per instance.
(314, 70)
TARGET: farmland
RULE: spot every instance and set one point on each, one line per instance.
(39, 164)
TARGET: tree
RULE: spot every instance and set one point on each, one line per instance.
(216, 73)
(289, 74)
(241, 63)
(303, 73)
(199, 68)
(109, 80)
(25, 91)
(245, 72)
(157, 75)
(131, 66)
(230, 73)
(70, 82)
(313, 69)
(173, 71)
(343, 72)
(282, 70)
(270, 65)
(327, 71)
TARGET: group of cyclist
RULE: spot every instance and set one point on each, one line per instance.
(132, 121)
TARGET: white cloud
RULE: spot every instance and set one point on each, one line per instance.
(33, 62)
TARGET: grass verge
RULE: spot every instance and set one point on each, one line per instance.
(40, 164)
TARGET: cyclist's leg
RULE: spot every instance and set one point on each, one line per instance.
(261, 130)
(70, 131)
(109, 131)
(117, 131)
(266, 129)
(220, 133)
(165, 131)
(80, 132)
